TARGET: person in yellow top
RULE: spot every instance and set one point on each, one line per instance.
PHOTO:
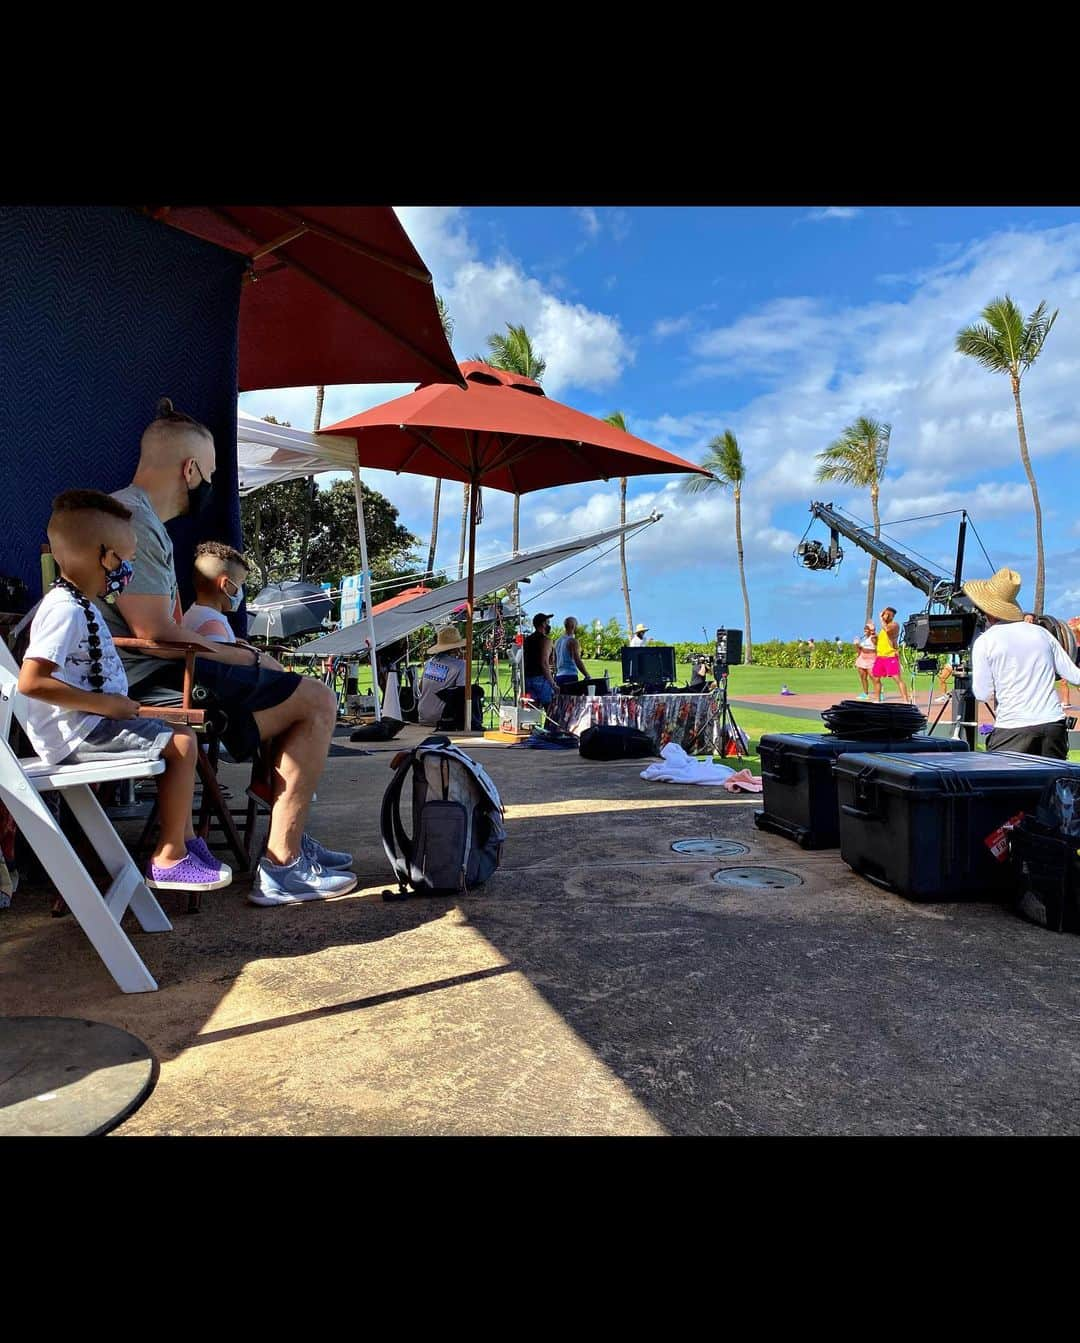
(887, 662)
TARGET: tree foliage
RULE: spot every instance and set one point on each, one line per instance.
(514, 352)
(724, 461)
(858, 457)
(1004, 343)
(272, 520)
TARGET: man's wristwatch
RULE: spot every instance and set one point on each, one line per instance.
(258, 657)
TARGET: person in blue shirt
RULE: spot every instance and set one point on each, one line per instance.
(568, 661)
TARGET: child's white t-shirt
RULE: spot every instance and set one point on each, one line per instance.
(58, 634)
(197, 615)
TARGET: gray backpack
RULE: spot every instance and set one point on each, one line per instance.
(457, 829)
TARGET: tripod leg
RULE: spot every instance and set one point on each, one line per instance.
(736, 733)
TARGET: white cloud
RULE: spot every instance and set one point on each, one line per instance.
(670, 326)
(619, 223)
(989, 499)
(583, 348)
(589, 221)
(832, 212)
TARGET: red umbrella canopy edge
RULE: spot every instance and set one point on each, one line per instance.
(333, 294)
(499, 430)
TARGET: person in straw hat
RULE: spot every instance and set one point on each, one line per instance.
(1014, 668)
(638, 640)
(442, 671)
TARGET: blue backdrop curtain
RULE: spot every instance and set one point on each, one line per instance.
(103, 311)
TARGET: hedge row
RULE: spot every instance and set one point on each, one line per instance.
(776, 653)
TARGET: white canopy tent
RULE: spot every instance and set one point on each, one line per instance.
(270, 453)
(436, 607)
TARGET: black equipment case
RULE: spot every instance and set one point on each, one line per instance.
(918, 824)
(800, 792)
(1046, 868)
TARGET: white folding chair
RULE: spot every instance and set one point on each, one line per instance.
(22, 781)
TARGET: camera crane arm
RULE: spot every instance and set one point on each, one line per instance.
(936, 586)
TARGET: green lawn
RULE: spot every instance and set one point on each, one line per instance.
(756, 723)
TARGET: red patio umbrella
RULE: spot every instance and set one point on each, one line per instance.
(500, 430)
(406, 596)
(334, 293)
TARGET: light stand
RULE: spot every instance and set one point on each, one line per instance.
(494, 700)
(724, 725)
(965, 710)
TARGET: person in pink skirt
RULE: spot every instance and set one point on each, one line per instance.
(864, 663)
(887, 663)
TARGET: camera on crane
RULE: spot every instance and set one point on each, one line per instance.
(813, 555)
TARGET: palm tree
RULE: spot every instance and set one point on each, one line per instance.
(464, 525)
(514, 353)
(320, 393)
(1004, 343)
(725, 462)
(858, 457)
(617, 419)
(448, 328)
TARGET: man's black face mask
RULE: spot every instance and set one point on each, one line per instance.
(199, 495)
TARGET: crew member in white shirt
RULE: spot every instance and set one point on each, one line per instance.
(1015, 666)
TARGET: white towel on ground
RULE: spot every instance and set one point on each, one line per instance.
(678, 767)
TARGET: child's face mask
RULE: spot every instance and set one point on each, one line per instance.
(116, 580)
(234, 598)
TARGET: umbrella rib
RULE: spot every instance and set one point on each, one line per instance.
(579, 456)
(503, 446)
(508, 457)
(278, 242)
(335, 293)
(430, 442)
(372, 253)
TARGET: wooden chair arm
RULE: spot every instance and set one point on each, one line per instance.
(173, 648)
(171, 714)
(168, 648)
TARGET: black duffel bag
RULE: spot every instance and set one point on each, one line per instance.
(616, 743)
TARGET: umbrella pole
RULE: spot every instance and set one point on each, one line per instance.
(469, 607)
(367, 590)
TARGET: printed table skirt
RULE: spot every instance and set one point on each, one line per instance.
(683, 719)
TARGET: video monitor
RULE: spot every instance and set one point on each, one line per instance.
(648, 665)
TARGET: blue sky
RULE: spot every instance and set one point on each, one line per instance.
(783, 325)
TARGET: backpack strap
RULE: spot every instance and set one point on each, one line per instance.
(396, 843)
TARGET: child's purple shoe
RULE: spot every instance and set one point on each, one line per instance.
(188, 875)
(198, 848)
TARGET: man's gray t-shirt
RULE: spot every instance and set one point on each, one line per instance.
(154, 577)
(440, 673)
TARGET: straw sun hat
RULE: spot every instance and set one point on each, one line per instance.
(997, 596)
(447, 638)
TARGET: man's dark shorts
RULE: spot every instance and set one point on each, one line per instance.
(239, 691)
(1050, 740)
